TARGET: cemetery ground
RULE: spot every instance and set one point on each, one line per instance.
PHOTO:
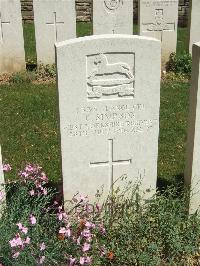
(163, 234)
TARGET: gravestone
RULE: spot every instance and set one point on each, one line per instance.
(12, 55)
(159, 19)
(109, 95)
(113, 16)
(194, 23)
(2, 190)
(55, 21)
(192, 170)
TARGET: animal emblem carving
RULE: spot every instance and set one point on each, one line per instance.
(103, 81)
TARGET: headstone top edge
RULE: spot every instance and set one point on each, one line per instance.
(105, 36)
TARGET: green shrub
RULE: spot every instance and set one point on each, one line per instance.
(46, 72)
(23, 77)
(180, 64)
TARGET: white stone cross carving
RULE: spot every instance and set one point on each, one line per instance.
(2, 23)
(160, 25)
(55, 25)
(111, 162)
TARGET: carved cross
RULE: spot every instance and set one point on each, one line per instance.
(110, 162)
(55, 25)
(2, 23)
(159, 25)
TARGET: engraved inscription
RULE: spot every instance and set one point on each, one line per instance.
(108, 77)
(111, 162)
(159, 3)
(55, 24)
(109, 120)
(160, 25)
(2, 23)
(112, 5)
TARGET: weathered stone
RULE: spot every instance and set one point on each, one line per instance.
(159, 19)
(192, 170)
(55, 21)
(194, 23)
(12, 54)
(112, 16)
(109, 96)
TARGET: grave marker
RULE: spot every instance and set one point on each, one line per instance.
(12, 55)
(55, 21)
(158, 19)
(192, 170)
(194, 23)
(113, 16)
(109, 95)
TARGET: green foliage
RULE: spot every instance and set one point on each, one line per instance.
(180, 64)
(157, 231)
(46, 72)
(22, 77)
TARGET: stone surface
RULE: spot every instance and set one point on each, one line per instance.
(112, 16)
(159, 19)
(194, 25)
(55, 21)
(192, 170)
(12, 54)
(109, 96)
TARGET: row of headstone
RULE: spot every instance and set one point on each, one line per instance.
(55, 21)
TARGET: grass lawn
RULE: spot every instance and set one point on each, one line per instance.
(30, 130)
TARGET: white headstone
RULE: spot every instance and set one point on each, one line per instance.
(109, 96)
(192, 171)
(55, 21)
(2, 189)
(194, 23)
(113, 16)
(159, 19)
(12, 54)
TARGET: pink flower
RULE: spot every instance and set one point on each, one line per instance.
(22, 228)
(17, 241)
(27, 241)
(86, 247)
(32, 192)
(65, 231)
(42, 259)
(42, 246)
(16, 255)
(45, 191)
(88, 260)
(82, 260)
(7, 168)
(71, 261)
(89, 225)
(44, 177)
(33, 219)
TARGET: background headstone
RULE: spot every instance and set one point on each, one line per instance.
(194, 24)
(112, 16)
(109, 96)
(12, 54)
(55, 21)
(192, 171)
(159, 19)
